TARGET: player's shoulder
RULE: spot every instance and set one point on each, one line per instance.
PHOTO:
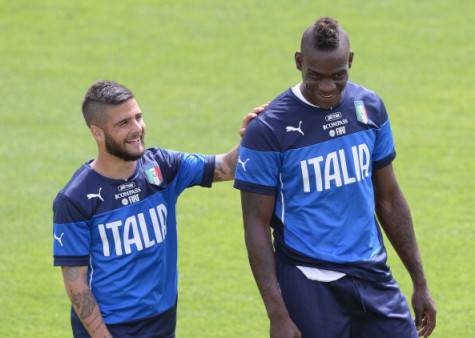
(370, 100)
(78, 183)
(281, 109)
(73, 196)
(264, 132)
(163, 156)
(166, 160)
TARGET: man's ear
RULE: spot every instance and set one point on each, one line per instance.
(298, 60)
(350, 58)
(97, 133)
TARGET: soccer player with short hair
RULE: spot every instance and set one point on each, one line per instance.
(115, 221)
(316, 168)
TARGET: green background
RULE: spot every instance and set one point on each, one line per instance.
(196, 68)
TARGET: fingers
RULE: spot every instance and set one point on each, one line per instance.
(261, 108)
(418, 319)
(428, 322)
(250, 116)
(425, 320)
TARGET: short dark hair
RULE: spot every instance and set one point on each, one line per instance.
(324, 34)
(101, 94)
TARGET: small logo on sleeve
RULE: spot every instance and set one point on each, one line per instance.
(98, 195)
(361, 113)
(243, 163)
(59, 239)
(297, 129)
(154, 175)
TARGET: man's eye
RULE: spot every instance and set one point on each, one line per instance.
(339, 76)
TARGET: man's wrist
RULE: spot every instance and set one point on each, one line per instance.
(419, 284)
(277, 314)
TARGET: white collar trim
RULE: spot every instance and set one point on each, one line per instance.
(297, 92)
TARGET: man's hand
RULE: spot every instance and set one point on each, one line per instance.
(424, 309)
(251, 116)
(284, 328)
(225, 164)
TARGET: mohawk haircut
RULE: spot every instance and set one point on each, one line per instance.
(324, 34)
(101, 94)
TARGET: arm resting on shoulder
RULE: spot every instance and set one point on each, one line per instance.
(395, 218)
(225, 164)
(83, 301)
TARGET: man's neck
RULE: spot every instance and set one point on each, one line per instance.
(113, 167)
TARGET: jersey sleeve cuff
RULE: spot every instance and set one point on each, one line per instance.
(208, 172)
(255, 188)
(71, 260)
(385, 161)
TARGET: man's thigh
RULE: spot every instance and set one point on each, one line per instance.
(312, 305)
(386, 313)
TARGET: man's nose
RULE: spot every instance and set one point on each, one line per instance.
(137, 125)
(327, 86)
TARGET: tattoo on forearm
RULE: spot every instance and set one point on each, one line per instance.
(225, 165)
(84, 302)
(72, 273)
(220, 172)
(231, 161)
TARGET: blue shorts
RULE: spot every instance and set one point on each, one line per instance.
(160, 326)
(347, 307)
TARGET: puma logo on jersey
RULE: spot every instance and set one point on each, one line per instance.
(98, 195)
(297, 129)
(243, 164)
(336, 169)
(59, 239)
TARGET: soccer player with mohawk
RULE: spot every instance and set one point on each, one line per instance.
(316, 168)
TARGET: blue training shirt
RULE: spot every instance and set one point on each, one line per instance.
(125, 231)
(318, 164)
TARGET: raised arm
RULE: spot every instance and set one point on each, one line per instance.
(395, 218)
(83, 301)
(257, 212)
(225, 164)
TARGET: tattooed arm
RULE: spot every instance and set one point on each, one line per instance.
(395, 218)
(83, 301)
(257, 211)
(225, 164)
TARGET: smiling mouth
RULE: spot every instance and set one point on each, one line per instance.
(135, 140)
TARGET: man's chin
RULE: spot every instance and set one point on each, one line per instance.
(128, 156)
(134, 156)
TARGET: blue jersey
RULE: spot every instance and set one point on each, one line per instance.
(125, 231)
(318, 164)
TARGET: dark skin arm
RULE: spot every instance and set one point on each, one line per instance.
(395, 218)
(257, 212)
(83, 301)
(225, 164)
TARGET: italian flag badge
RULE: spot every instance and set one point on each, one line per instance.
(361, 113)
(154, 175)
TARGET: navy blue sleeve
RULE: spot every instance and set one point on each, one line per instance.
(194, 169)
(71, 235)
(384, 152)
(258, 166)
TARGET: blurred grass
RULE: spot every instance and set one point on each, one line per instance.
(196, 68)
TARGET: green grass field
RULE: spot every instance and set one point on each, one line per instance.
(196, 67)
